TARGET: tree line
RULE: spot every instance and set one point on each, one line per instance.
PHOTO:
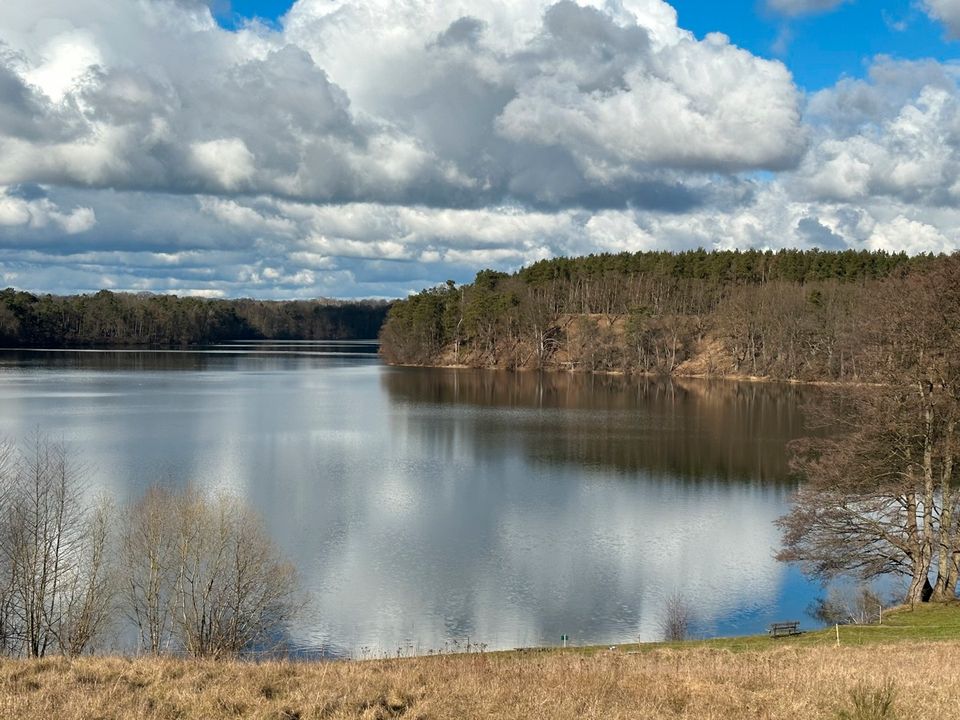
(108, 318)
(193, 573)
(788, 315)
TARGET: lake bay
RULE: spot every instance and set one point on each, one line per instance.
(428, 508)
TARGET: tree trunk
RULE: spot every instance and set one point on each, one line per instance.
(946, 585)
(920, 588)
(920, 556)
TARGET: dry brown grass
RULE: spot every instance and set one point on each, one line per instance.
(788, 682)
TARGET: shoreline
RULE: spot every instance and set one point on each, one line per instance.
(806, 676)
(760, 379)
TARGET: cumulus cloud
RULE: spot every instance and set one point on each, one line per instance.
(65, 58)
(226, 162)
(896, 134)
(697, 105)
(947, 12)
(371, 148)
(374, 101)
(905, 235)
(29, 208)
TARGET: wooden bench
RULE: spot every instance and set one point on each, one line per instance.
(784, 629)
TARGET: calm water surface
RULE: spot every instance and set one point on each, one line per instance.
(426, 507)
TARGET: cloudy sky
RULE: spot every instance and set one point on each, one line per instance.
(369, 148)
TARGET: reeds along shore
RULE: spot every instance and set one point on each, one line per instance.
(909, 680)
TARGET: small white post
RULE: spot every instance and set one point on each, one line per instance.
(838, 634)
(881, 613)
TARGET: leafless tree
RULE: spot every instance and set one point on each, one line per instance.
(148, 556)
(864, 508)
(53, 553)
(675, 623)
(233, 589)
(538, 320)
(89, 593)
(8, 633)
(880, 496)
(203, 575)
(848, 606)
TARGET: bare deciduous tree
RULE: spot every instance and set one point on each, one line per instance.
(88, 592)
(148, 555)
(204, 576)
(53, 552)
(675, 623)
(233, 590)
(848, 606)
(880, 495)
(7, 625)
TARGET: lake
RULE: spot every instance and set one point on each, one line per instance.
(425, 508)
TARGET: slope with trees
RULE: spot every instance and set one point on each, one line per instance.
(789, 314)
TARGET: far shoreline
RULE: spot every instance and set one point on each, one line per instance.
(552, 370)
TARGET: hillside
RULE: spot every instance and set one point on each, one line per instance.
(786, 315)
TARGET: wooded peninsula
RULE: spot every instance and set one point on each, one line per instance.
(800, 315)
(108, 318)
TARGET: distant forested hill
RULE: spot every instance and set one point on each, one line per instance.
(108, 318)
(791, 314)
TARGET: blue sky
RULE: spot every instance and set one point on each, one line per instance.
(820, 47)
(370, 148)
(270, 10)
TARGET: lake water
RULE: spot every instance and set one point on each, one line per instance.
(428, 508)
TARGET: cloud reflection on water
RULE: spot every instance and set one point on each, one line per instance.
(424, 506)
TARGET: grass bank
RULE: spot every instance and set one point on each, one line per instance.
(922, 623)
(795, 678)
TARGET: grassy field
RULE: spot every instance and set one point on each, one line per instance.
(930, 622)
(908, 668)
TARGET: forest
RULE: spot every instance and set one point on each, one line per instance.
(107, 318)
(790, 314)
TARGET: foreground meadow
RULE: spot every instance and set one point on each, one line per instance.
(909, 668)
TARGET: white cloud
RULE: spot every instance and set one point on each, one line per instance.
(374, 101)
(234, 213)
(197, 292)
(368, 147)
(78, 221)
(947, 12)
(66, 58)
(887, 137)
(227, 162)
(612, 231)
(14, 211)
(698, 105)
(39, 212)
(904, 235)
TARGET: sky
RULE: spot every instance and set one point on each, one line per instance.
(371, 148)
